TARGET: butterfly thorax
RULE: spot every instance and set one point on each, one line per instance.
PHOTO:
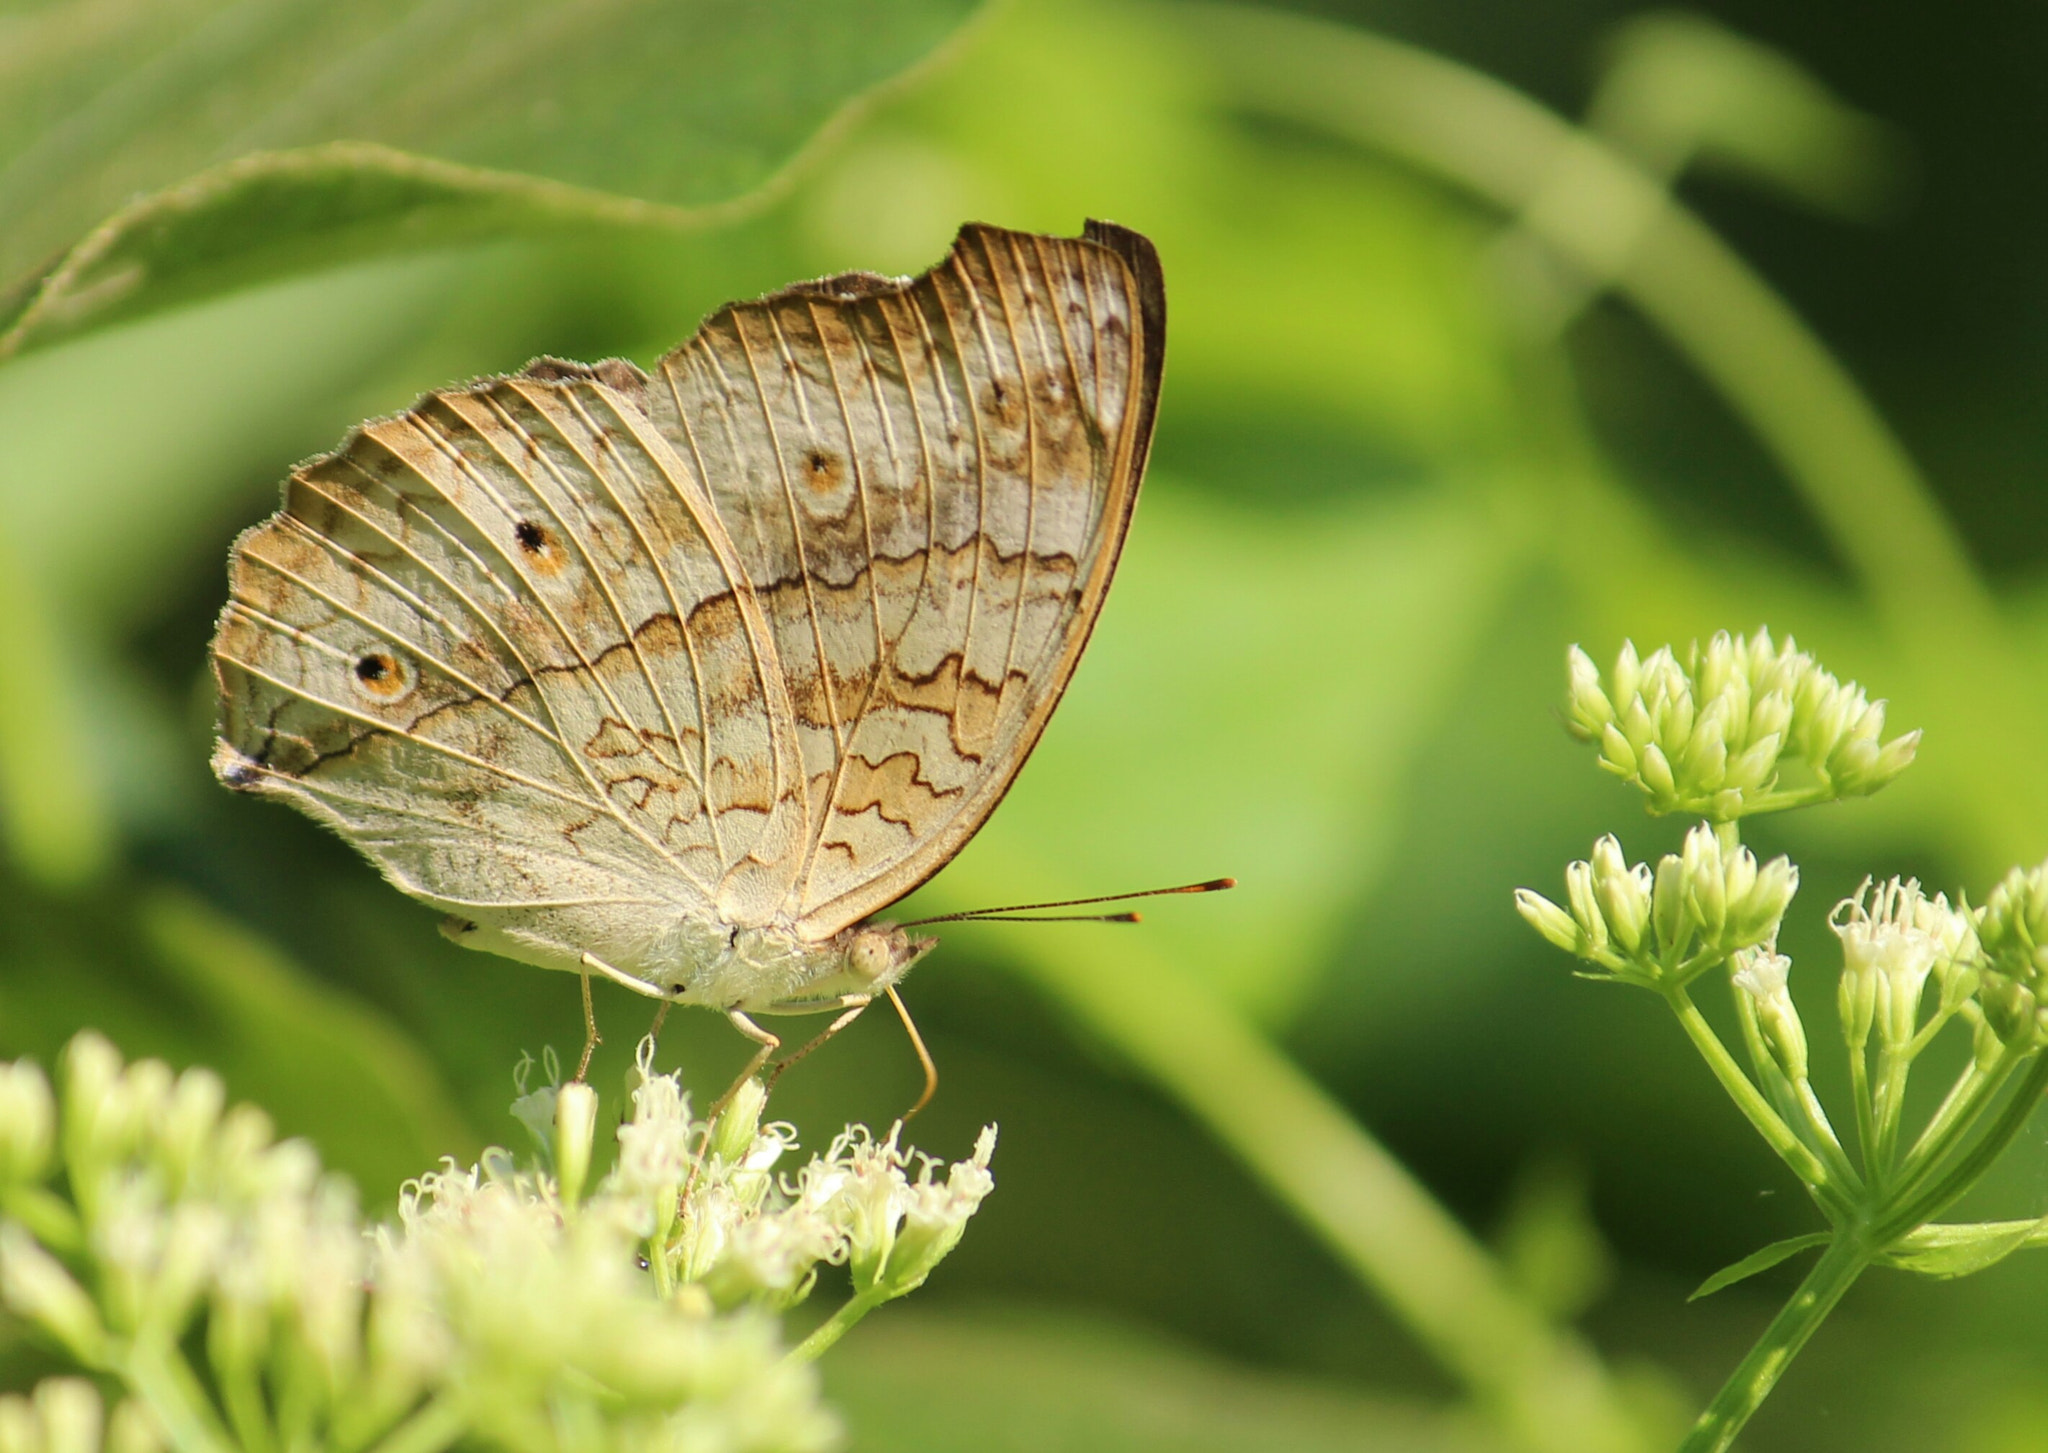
(697, 960)
(772, 968)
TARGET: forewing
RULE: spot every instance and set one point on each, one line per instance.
(928, 482)
(498, 643)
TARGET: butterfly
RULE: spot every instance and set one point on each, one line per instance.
(677, 677)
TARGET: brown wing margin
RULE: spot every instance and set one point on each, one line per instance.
(1146, 292)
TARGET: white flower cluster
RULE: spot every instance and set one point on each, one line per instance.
(1700, 905)
(503, 1307)
(1710, 736)
(721, 1228)
(1894, 936)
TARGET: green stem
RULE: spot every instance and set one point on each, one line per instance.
(1795, 1103)
(1966, 1171)
(1541, 1382)
(1974, 1089)
(1748, 1099)
(1888, 1110)
(1866, 1121)
(168, 1388)
(1471, 130)
(241, 1395)
(1758, 1373)
(837, 1325)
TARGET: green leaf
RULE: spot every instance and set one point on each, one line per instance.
(324, 1064)
(272, 214)
(687, 105)
(1948, 1251)
(1758, 1261)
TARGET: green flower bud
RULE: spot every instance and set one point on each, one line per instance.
(28, 1124)
(1705, 884)
(575, 1128)
(1658, 778)
(2014, 926)
(1623, 893)
(35, 1286)
(2009, 1009)
(70, 1411)
(1755, 918)
(190, 1118)
(1675, 925)
(134, 1429)
(737, 1125)
(1548, 919)
(1588, 712)
(1578, 883)
(1762, 973)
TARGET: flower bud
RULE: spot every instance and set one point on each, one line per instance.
(1578, 883)
(1548, 919)
(28, 1124)
(70, 1411)
(35, 1286)
(1762, 973)
(134, 1429)
(2009, 1008)
(1668, 908)
(1705, 887)
(575, 1128)
(190, 1117)
(2014, 926)
(1623, 893)
(1767, 893)
(737, 1125)
(1588, 712)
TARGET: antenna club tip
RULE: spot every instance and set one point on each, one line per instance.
(1132, 917)
(1221, 883)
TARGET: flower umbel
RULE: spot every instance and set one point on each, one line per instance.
(1667, 926)
(1711, 735)
(502, 1307)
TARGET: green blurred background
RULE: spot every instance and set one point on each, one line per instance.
(1450, 385)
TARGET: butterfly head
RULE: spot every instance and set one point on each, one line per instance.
(878, 954)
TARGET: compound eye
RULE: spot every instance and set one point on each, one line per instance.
(870, 956)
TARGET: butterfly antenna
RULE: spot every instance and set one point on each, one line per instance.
(1003, 914)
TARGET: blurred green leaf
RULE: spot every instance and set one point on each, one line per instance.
(1549, 1246)
(685, 104)
(57, 823)
(322, 1063)
(1208, 733)
(1757, 1261)
(912, 1382)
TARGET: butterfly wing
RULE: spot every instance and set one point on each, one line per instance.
(928, 483)
(502, 644)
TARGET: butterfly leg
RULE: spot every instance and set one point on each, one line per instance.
(769, 1044)
(591, 1039)
(853, 1004)
(924, 1056)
